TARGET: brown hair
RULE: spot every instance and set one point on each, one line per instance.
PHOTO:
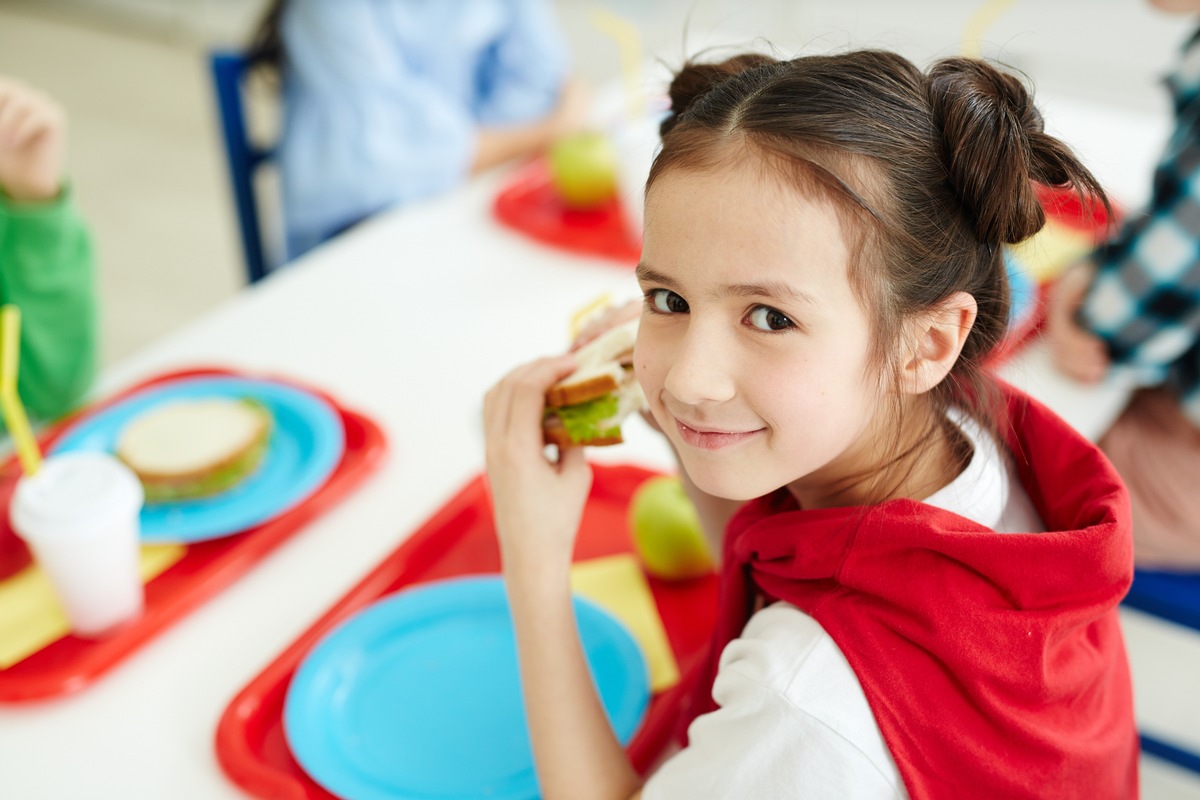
(266, 49)
(934, 170)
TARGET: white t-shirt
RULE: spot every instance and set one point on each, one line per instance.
(793, 720)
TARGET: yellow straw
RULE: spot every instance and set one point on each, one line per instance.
(584, 315)
(981, 20)
(10, 403)
(629, 43)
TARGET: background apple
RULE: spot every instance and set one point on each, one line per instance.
(666, 530)
(583, 168)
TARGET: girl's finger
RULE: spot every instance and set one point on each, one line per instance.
(529, 394)
(25, 131)
(571, 460)
(520, 397)
(10, 112)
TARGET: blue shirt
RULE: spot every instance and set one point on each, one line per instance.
(1145, 300)
(383, 98)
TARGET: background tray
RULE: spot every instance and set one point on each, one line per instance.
(460, 539)
(529, 203)
(70, 663)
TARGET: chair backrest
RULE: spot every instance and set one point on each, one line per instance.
(1174, 597)
(228, 73)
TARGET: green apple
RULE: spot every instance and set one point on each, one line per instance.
(666, 530)
(583, 167)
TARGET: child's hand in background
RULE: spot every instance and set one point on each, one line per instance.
(538, 504)
(1077, 353)
(571, 112)
(32, 143)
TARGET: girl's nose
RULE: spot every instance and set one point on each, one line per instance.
(699, 373)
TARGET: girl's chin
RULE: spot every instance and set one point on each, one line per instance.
(725, 486)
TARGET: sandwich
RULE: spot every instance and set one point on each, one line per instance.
(588, 406)
(189, 449)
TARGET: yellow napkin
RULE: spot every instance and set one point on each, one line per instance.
(1048, 252)
(616, 583)
(30, 615)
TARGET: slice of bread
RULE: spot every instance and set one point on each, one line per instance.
(599, 369)
(585, 384)
(553, 432)
(184, 441)
(630, 399)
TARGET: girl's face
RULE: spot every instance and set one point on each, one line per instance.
(753, 347)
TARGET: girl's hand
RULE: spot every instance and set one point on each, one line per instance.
(32, 142)
(538, 503)
(1076, 352)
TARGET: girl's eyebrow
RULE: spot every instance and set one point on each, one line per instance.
(645, 273)
(776, 289)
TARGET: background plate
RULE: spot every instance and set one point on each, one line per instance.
(307, 441)
(418, 697)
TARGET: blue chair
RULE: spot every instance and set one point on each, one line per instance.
(243, 157)
(1174, 597)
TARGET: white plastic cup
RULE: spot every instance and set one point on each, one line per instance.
(79, 514)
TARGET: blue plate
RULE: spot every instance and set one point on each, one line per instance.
(1023, 293)
(307, 442)
(418, 697)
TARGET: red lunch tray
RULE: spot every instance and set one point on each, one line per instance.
(1062, 206)
(530, 204)
(70, 663)
(460, 539)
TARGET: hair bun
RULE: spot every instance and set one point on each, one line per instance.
(694, 79)
(994, 148)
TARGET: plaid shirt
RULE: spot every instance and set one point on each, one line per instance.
(1145, 300)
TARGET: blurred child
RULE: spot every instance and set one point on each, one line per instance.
(45, 254)
(921, 568)
(390, 101)
(1134, 304)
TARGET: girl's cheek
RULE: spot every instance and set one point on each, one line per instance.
(643, 371)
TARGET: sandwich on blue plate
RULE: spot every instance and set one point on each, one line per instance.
(187, 449)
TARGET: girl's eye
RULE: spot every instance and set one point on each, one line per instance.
(765, 318)
(665, 301)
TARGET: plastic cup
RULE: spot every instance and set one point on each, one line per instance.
(79, 515)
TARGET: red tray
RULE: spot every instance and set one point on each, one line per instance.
(458, 540)
(1065, 206)
(1062, 206)
(530, 204)
(71, 663)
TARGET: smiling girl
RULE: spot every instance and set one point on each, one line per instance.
(921, 566)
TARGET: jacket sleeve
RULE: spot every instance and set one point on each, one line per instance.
(524, 71)
(792, 721)
(46, 269)
(1145, 300)
(365, 126)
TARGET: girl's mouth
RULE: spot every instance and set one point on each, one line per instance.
(712, 439)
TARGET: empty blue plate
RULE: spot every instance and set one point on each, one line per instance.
(307, 442)
(418, 696)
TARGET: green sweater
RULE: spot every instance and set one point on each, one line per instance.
(46, 270)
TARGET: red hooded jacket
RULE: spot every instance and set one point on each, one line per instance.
(994, 664)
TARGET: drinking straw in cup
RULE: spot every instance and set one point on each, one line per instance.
(77, 511)
(10, 402)
(629, 44)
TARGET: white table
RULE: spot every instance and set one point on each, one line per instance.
(408, 319)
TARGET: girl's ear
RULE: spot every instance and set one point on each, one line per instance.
(939, 338)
